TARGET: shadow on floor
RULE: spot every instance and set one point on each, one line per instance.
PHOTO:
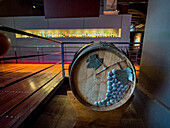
(58, 113)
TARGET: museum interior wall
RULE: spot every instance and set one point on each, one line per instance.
(152, 98)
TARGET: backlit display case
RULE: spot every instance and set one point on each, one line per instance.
(74, 33)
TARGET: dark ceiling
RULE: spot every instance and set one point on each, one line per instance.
(21, 8)
(138, 8)
(25, 7)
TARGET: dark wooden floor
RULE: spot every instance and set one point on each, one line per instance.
(58, 113)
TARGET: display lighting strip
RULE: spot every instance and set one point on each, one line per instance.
(73, 33)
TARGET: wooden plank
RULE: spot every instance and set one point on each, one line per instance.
(19, 73)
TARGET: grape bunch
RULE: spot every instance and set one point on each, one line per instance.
(115, 90)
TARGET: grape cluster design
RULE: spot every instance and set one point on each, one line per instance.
(115, 90)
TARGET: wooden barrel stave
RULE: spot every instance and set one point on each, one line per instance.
(88, 88)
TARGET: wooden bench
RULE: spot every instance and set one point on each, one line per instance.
(18, 100)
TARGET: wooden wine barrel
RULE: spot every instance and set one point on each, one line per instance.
(102, 77)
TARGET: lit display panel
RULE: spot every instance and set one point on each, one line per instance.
(73, 33)
(137, 38)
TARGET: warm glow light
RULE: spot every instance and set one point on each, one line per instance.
(74, 33)
(33, 87)
(137, 68)
(137, 38)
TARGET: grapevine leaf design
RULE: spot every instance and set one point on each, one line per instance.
(94, 61)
